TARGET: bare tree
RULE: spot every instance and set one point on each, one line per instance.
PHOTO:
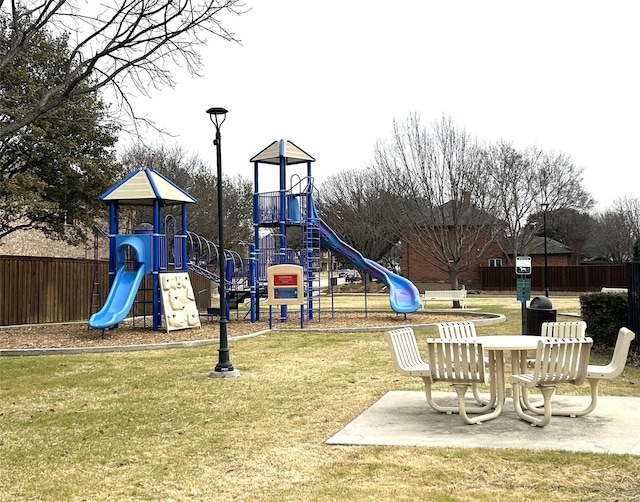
(443, 206)
(629, 210)
(521, 181)
(193, 175)
(113, 44)
(354, 203)
(617, 230)
(571, 227)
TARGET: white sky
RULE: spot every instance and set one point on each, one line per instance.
(563, 76)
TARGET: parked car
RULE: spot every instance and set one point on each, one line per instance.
(350, 275)
(353, 276)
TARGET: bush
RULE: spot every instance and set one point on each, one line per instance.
(605, 314)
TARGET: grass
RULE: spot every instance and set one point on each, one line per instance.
(153, 426)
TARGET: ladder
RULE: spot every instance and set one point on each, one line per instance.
(95, 301)
(311, 258)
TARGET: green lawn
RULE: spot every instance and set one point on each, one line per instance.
(153, 425)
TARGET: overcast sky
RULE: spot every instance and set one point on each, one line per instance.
(563, 76)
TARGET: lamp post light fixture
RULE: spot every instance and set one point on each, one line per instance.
(224, 367)
(545, 206)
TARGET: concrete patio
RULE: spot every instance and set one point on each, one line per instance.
(402, 418)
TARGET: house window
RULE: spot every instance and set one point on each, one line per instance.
(495, 262)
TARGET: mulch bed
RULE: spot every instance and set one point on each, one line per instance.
(79, 335)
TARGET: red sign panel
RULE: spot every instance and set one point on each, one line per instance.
(285, 280)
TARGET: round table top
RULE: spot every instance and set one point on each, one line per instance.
(510, 342)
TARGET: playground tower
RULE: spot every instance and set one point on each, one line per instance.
(293, 205)
(279, 210)
(153, 249)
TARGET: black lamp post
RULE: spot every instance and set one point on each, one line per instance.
(224, 366)
(545, 206)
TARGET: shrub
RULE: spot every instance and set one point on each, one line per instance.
(605, 314)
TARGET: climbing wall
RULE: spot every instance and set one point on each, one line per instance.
(178, 301)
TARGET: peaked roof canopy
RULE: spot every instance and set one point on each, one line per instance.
(291, 153)
(144, 186)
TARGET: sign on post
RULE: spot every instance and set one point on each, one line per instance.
(523, 265)
(285, 285)
(523, 289)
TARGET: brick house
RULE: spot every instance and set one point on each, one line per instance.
(424, 274)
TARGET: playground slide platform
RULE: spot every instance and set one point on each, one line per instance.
(120, 299)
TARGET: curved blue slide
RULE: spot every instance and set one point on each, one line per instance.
(404, 297)
(120, 299)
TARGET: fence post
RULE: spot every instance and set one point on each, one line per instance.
(633, 295)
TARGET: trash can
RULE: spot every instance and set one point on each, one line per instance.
(539, 310)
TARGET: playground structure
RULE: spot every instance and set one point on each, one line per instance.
(158, 249)
(164, 250)
(169, 248)
(293, 205)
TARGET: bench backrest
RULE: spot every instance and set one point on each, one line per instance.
(564, 329)
(446, 294)
(456, 360)
(618, 360)
(562, 360)
(405, 353)
(614, 290)
(456, 330)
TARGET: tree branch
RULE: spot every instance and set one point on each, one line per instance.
(130, 40)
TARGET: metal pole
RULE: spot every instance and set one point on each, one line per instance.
(546, 277)
(224, 366)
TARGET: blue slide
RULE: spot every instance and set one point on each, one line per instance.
(404, 297)
(120, 298)
(126, 282)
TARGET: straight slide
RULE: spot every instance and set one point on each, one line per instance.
(120, 299)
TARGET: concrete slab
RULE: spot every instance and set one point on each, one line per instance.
(402, 418)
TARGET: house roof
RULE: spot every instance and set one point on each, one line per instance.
(475, 214)
(553, 246)
(453, 214)
(464, 213)
(144, 186)
(536, 247)
(291, 153)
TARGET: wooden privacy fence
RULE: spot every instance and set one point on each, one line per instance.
(578, 278)
(35, 290)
